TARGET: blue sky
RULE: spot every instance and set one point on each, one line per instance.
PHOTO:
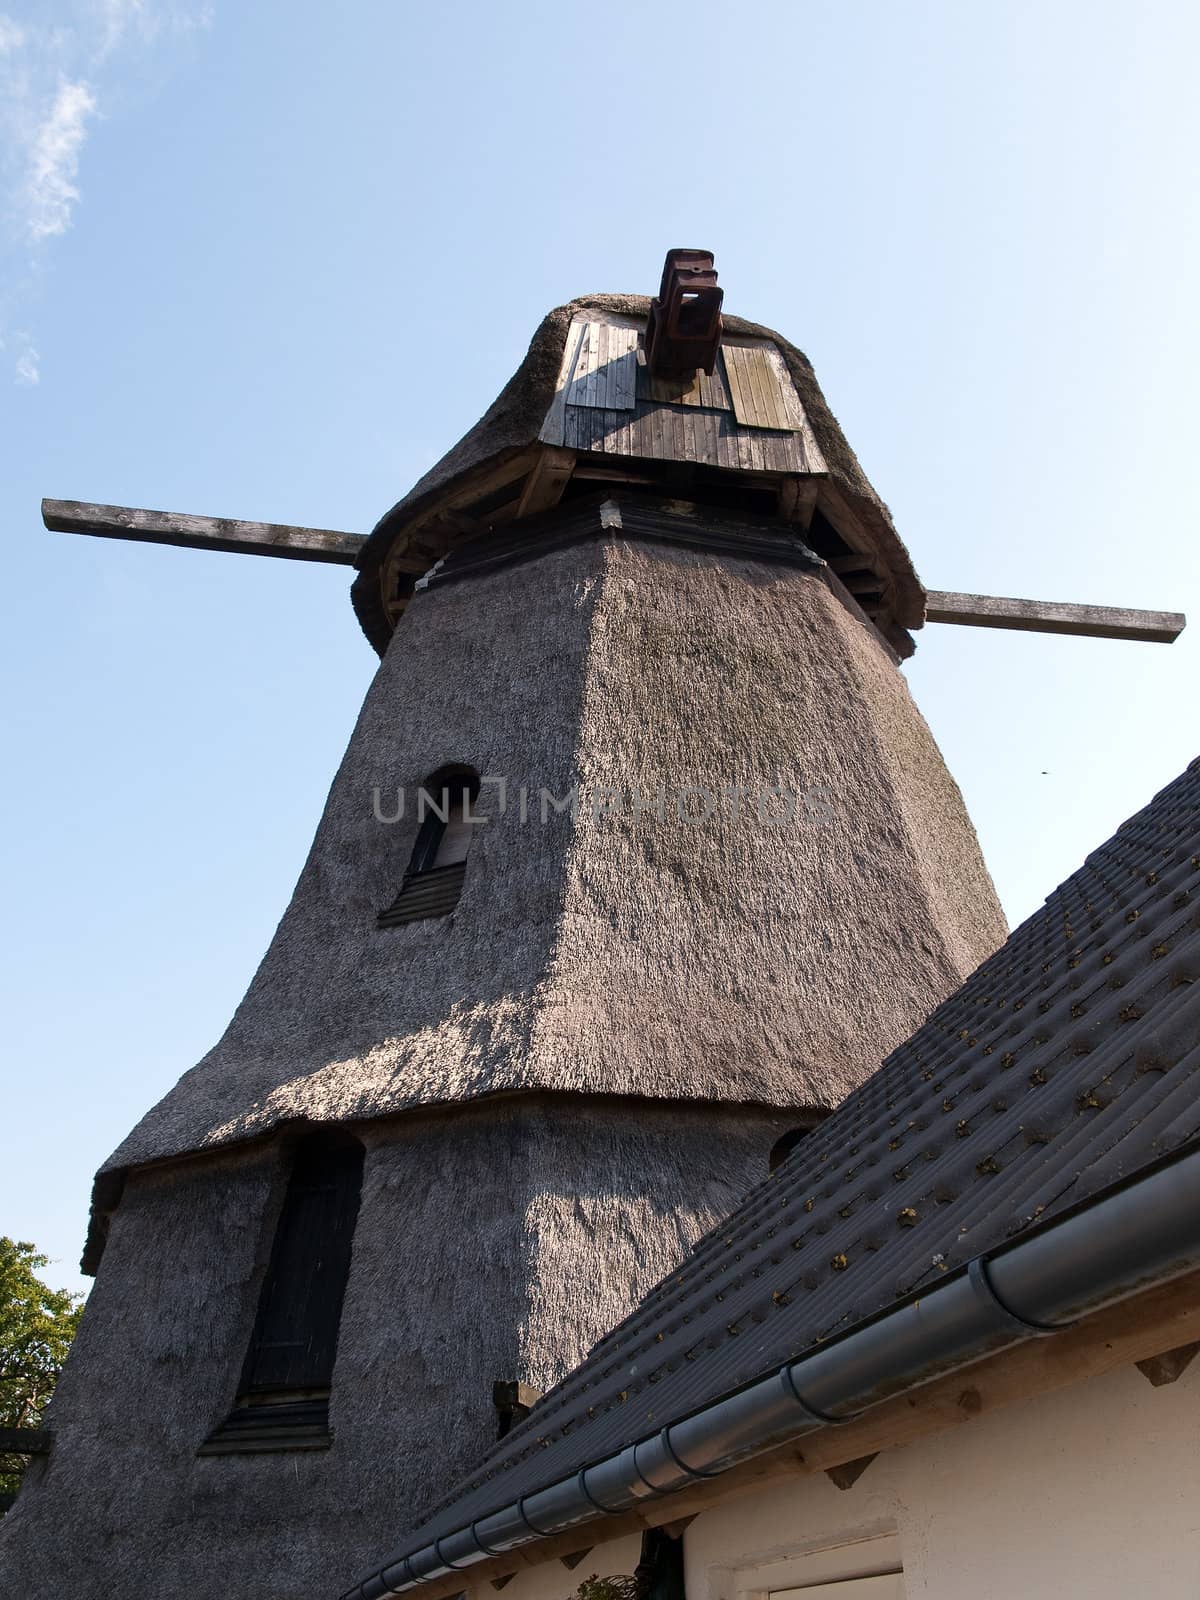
(270, 261)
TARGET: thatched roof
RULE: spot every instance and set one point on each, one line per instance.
(737, 962)
(514, 421)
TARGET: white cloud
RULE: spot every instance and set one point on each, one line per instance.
(118, 17)
(147, 19)
(12, 35)
(54, 160)
(53, 77)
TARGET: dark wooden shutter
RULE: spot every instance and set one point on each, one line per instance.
(660, 1571)
(296, 1330)
(429, 836)
(430, 890)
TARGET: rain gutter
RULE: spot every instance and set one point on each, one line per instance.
(1135, 1236)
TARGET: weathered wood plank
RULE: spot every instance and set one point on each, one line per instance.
(602, 360)
(545, 484)
(755, 388)
(581, 387)
(700, 389)
(1048, 616)
(203, 533)
(797, 501)
(553, 425)
(603, 376)
(623, 369)
(24, 1441)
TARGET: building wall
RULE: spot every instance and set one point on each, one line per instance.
(498, 1242)
(1092, 1492)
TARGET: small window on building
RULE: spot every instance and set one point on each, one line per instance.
(283, 1396)
(437, 867)
(783, 1147)
(659, 1573)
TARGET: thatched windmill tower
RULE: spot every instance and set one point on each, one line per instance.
(494, 1077)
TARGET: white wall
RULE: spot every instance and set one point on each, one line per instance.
(1092, 1493)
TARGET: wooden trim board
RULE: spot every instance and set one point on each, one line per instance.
(203, 533)
(1049, 616)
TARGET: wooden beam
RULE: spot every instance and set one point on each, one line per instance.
(24, 1441)
(576, 1556)
(203, 533)
(847, 1473)
(1169, 1366)
(798, 500)
(545, 485)
(1049, 616)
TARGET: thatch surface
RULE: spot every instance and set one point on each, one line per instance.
(514, 420)
(496, 1242)
(728, 962)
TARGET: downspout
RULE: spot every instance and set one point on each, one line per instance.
(1139, 1235)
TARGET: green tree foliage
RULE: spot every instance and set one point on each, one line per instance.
(618, 1587)
(37, 1325)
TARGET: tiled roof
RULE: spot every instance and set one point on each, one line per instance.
(1069, 1061)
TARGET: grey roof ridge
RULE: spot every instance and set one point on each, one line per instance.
(1141, 1232)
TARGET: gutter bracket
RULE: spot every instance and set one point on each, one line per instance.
(985, 1290)
(821, 1418)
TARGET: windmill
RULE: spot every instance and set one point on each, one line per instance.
(639, 859)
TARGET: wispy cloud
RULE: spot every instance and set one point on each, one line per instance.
(54, 160)
(26, 367)
(12, 36)
(146, 20)
(54, 81)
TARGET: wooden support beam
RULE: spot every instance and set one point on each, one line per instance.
(1169, 1366)
(798, 500)
(576, 1556)
(545, 485)
(847, 1474)
(203, 533)
(1048, 616)
(24, 1441)
(862, 583)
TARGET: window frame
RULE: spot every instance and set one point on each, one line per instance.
(431, 890)
(290, 1411)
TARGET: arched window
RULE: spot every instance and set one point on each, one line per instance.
(437, 867)
(783, 1147)
(283, 1397)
